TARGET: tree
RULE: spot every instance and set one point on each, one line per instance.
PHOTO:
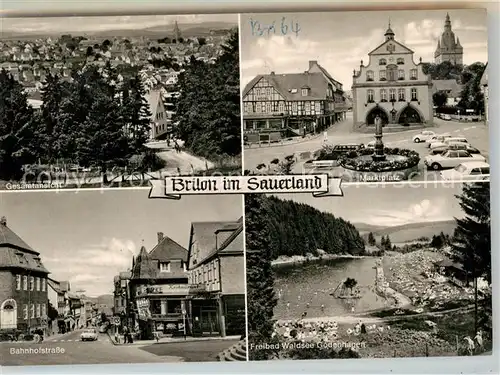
(350, 283)
(260, 277)
(437, 242)
(388, 244)
(472, 97)
(202, 41)
(208, 108)
(439, 99)
(18, 128)
(471, 245)
(371, 239)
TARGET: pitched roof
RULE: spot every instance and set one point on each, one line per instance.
(290, 85)
(167, 249)
(153, 97)
(325, 72)
(55, 285)
(401, 48)
(447, 85)
(9, 238)
(211, 237)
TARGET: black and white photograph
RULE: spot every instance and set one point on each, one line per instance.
(117, 101)
(404, 97)
(391, 271)
(114, 277)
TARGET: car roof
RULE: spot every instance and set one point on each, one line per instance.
(475, 164)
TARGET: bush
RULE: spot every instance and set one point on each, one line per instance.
(318, 352)
(350, 162)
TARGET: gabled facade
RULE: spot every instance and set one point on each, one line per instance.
(160, 124)
(391, 86)
(448, 47)
(159, 288)
(23, 277)
(279, 105)
(216, 261)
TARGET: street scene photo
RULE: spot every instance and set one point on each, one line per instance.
(391, 271)
(405, 97)
(117, 101)
(114, 277)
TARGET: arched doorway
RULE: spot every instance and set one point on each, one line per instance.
(8, 314)
(372, 115)
(410, 115)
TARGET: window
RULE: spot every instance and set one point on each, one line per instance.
(475, 171)
(463, 154)
(413, 74)
(37, 284)
(383, 95)
(25, 312)
(382, 75)
(184, 268)
(294, 107)
(275, 106)
(400, 61)
(391, 73)
(164, 267)
(25, 282)
(414, 94)
(401, 74)
(453, 154)
(392, 94)
(401, 95)
(32, 311)
(18, 282)
(247, 107)
(37, 310)
(32, 283)
(209, 275)
(305, 91)
(281, 107)
(318, 107)
(308, 108)
(382, 62)
(370, 97)
(369, 75)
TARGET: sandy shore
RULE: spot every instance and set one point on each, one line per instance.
(299, 259)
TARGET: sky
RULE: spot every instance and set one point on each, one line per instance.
(51, 25)
(90, 236)
(339, 41)
(388, 205)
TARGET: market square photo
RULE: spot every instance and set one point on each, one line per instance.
(405, 97)
(391, 271)
(114, 277)
(117, 101)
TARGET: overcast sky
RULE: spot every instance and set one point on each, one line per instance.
(88, 237)
(388, 205)
(52, 25)
(339, 41)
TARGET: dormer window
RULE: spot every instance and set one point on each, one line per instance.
(400, 61)
(293, 91)
(382, 62)
(305, 91)
(164, 266)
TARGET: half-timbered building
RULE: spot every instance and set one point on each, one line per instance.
(284, 105)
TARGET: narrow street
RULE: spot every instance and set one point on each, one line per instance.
(69, 349)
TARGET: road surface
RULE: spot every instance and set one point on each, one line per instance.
(192, 351)
(475, 132)
(68, 349)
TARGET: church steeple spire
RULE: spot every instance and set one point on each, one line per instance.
(389, 34)
(447, 22)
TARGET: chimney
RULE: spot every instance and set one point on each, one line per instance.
(160, 236)
(312, 63)
(3, 221)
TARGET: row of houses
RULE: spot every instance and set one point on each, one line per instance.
(198, 291)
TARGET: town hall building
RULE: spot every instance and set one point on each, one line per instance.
(391, 86)
(448, 48)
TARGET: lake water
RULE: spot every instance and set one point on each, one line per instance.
(306, 287)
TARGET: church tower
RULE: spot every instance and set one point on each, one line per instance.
(448, 47)
(177, 32)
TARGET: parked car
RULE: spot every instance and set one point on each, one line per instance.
(446, 117)
(103, 328)
(423, 136)
(89, 335)
(448, 141)
(473, 170)
(437, 138)
(370, 145)
(454, 146)
(450, 159)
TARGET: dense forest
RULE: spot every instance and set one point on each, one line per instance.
(298, 229)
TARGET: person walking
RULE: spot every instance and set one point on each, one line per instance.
(125, 335)
(117, 336)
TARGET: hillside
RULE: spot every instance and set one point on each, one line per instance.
(367, 228)
(105, 299)
(413, 231)
(298, 229)
(187, 31)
